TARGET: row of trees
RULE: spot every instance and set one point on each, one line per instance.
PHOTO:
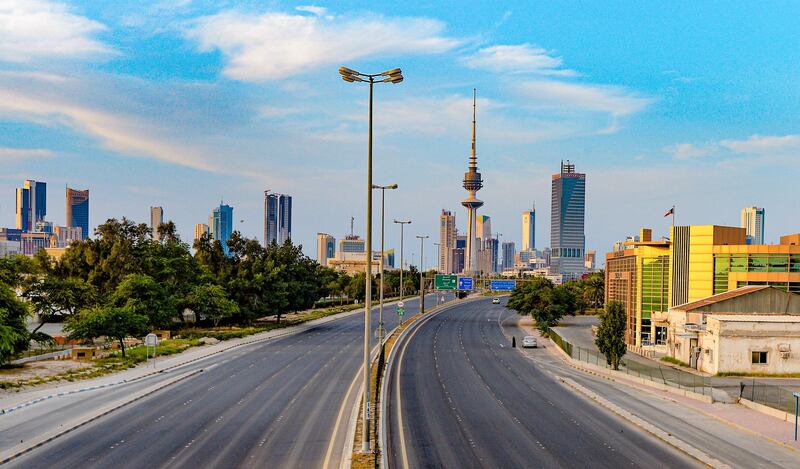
(547, 304)
(124, 283)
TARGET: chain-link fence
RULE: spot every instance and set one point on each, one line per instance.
(769, 394)
(651, 371)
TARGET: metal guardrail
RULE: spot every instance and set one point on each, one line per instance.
(653, 372)
(771, 395)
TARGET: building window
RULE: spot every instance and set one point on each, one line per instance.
(759, 358)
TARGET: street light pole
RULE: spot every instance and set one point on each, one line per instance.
(350, 76)
(402, 287)
(421, 274)
(383, 213)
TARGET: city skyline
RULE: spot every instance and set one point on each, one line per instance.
(649, 134)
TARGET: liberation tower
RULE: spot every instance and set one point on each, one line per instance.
(472, 183)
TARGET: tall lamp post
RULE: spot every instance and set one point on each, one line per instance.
(402, 266)
(390, 76)
(421, 274)
(383, 213)
(438, 259)
(497, 237)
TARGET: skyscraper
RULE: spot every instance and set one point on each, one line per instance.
(200, 229)
(753, 223)
(277, 218)
(567, 237)
(78, 210)
(472, 183)
(223, 225)
(508, 255)
(326, 248)
(31, 204)
(529, 229)
(447, 241)
(156, 219)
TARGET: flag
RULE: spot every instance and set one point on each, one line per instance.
(670, 212)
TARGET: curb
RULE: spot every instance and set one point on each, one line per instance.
(16, 451)
(644, 425)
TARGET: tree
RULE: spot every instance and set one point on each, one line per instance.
(14, 336)
(110, 321)
(594, 290)
(143, 296)
(211, 301)
(543, 301)
(611, 334)
(52, 296)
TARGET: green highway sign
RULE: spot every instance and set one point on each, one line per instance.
(401, 311)
(445, 282)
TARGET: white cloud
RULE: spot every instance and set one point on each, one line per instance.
(569, 97)
(11, 154)
(35, 29)
(519, 58)
(278, 45)
(688, 151)
(765, 145)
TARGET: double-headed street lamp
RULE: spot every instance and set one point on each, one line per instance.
(394, 75)
(422, 273)
(402, 266)
(383, 213)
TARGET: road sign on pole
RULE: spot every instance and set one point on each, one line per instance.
(151, 340)
(503, 285)
(465, 283)
(445, 282)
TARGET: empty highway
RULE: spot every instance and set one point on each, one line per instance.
(460, 396)
(285, 402)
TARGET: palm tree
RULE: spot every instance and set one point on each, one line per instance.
(594, 290)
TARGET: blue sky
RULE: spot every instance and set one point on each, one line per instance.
(181, 103)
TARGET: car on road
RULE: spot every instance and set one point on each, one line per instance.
(529, 341)
(495, 301)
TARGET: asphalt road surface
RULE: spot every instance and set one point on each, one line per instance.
(279, 403)
(465, 399)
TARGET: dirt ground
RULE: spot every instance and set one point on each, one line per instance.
(41, 369)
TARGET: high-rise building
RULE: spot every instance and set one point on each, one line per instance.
(472, 183)
(567, 238)
(753, 223)
(508, 255)
(458, 254)
(156, 219)
(277, 218)
(326, 248)
(31, 204)
(447, 241)
(223, 225)
(484, 231)
(528, 229)
(200, 229)
(590, 262)
(78, 210)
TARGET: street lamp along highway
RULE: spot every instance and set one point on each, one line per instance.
(402, 265)
(422, 273)
(394, 75)
(383, 213)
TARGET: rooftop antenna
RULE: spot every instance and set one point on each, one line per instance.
(352, 220)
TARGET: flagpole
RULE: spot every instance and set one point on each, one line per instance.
(673, 215)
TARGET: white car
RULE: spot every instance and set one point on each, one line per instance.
(529, 342)
(495, 301)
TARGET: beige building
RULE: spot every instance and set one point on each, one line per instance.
(447, 241)
(326, 248)
(752, 329)
(199, 230)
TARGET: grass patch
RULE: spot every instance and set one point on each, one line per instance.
(675, 361)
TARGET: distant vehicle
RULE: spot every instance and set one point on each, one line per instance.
(529, 342)
(495, 301)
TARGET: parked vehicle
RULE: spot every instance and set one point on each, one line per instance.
(529, 342)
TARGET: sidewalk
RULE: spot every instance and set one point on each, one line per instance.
(735, 415)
